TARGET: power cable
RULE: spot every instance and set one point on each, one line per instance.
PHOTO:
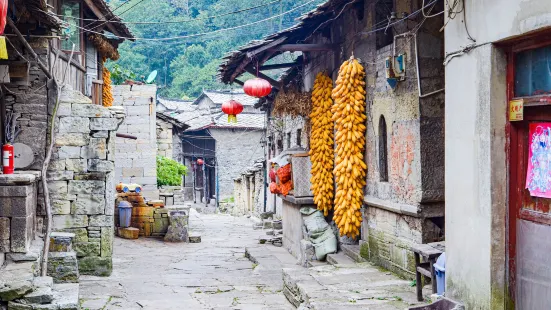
(204, 33)
(175, 21)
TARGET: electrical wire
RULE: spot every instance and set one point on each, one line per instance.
(174, 21)
(429, 16)
(204, 33)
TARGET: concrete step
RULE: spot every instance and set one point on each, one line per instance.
(339, 259)
(353, 251)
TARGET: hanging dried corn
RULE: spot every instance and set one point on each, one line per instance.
(321, 143)
(107, 91)
(350, 170)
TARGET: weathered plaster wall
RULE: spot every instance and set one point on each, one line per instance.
(476, 167)
(136, 159)
(248, 191)
(235, 151)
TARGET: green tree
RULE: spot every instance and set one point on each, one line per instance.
(169, 172)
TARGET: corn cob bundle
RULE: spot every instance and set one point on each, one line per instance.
(321, 143)
(107, 91)
(350, 170)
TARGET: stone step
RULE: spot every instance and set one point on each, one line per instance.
(62, 297)
(339, 259)
(33, 255)
(353, 251)
(41, 295)
(61, 241)
(63, 267)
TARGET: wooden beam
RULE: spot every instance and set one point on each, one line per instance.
(279, 66)
(100, 16)
(239, 70)
(236, 81)
(65, 57)
(29, 48)
(304, 47)
(264, 76)
(268, 46)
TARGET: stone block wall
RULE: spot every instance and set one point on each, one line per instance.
(248, 191)
(164, 139)
(136, 159)
(17, 213)
(81, 179)
(236, 150)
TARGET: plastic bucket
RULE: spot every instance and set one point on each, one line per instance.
(440, 271)
(125, 213)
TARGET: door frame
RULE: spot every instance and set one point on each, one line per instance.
(534, 110)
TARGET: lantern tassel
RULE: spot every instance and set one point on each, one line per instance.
(232, 118)
(3, 48)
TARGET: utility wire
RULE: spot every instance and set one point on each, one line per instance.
(203, 33)
(174, 21)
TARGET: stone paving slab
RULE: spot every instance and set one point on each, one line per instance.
(213, 274)
(348, 286)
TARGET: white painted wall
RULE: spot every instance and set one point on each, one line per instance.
(476, 166)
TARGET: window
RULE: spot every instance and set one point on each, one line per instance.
(383, 150)
(299, 137)
(533, 72)
(71, 12)
(383, 11)
(288, 140)
(279, 145)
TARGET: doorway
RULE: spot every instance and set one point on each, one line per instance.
(529, 240)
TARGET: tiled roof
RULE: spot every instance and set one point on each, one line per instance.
(188, 114)
(219, 97)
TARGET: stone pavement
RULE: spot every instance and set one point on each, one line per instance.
(213, 274)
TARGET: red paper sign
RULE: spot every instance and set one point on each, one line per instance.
(3, 15)
(538, 177)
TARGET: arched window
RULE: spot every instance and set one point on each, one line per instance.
(383, 150)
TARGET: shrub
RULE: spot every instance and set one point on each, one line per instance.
(169, 172)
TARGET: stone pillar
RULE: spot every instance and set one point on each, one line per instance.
(81, 179)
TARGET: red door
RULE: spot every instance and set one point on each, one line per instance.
(529, 242)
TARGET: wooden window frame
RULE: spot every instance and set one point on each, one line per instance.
(81, 51)
(383, 149)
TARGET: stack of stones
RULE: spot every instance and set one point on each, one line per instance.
(150, 218)
(81, 179)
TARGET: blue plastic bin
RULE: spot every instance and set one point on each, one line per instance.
(125, 213)
(440, 270)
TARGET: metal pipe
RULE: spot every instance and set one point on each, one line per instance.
(419, 73)
(126, 136)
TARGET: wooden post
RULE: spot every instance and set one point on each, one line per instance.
(205, 183)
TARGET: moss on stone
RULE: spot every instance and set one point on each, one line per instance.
(364, 250)
(96, 266)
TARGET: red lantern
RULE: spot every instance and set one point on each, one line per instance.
(272, 175)
(232, 108)
(199, 162)
(257, 87)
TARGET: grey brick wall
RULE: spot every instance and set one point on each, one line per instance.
(235, 151)
(164, 139)
(136, 159)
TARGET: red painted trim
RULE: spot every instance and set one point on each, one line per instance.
(535, 217)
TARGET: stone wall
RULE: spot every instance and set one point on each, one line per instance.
(235, 151)
(248, 191)
(81, 179)
(136, 159)
(164, 139)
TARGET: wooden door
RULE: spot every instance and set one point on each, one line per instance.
(529, 239)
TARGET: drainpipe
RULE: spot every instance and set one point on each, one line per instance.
(265, 183)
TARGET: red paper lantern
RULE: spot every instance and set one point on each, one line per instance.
(272, 175)
(232, 108)
(199, 162)
(257, 87)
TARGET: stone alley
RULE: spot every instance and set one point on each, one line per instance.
(213, 274)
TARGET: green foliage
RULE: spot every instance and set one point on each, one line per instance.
(169, 172)
(187, 66)
(119, 75)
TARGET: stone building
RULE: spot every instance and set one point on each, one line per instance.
(80, 177)
(404, 196)
(204, 133)
(136, 159)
